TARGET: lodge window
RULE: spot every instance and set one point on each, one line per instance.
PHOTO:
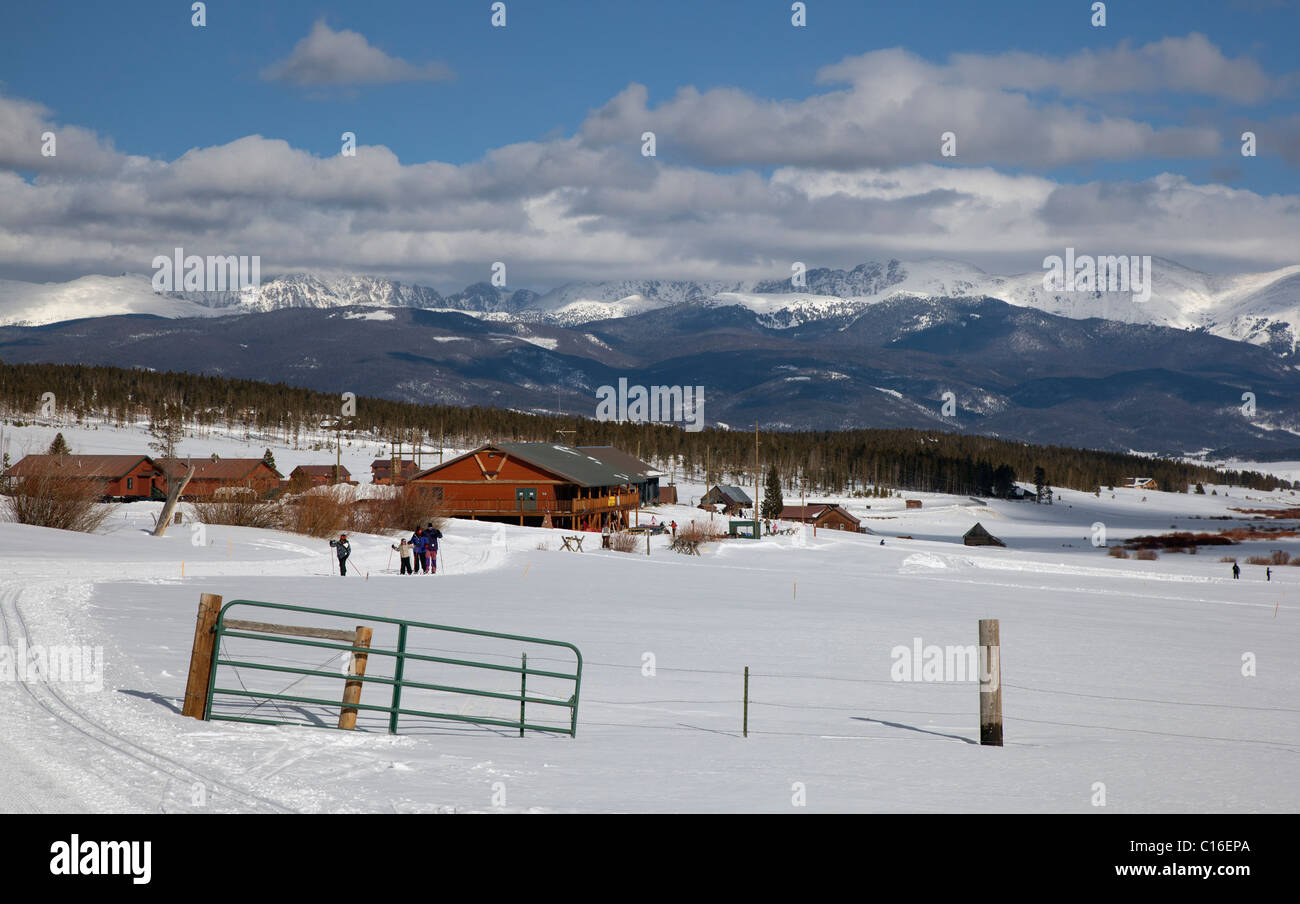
(130, 483)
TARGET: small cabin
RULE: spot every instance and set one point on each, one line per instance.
(825, 515)
(381, 470)
(732, 499)
(319, 475)
(913, 503)
(978, 536)
(1141, 483)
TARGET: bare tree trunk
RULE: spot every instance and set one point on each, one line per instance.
(172, 498)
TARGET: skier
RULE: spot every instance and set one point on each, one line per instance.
(1268, 574)
(342, 549)
(1236, 571)
(433, 535)
(421, 545)
(406, 552)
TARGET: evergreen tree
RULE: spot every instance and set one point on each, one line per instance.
(59, 446)
(167, 428)
(772, 501)
(1040, 481)
(269, 458)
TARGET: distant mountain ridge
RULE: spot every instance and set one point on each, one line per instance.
(1013, 372)
(1261, 309)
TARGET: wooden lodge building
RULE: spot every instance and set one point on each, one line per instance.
(533, 484)
(644, 477)
(826, 515)
(122, 476)
(214, 475)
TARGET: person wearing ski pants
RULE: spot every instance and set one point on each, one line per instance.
(433, 535)
(421, 544)
(342, 549)
(406, 552)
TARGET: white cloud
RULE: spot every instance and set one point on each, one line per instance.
(327, 57)
(1012, 109)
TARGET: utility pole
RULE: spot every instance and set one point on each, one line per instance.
(756, 530)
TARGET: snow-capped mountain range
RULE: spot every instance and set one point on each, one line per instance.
(1260, 308)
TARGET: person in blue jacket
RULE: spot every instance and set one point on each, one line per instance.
(421, 544)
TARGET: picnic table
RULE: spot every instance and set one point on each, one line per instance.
(572, 542)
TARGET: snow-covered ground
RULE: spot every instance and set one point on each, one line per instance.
(1122, 672)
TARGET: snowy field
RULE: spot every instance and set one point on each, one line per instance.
(1122, 672)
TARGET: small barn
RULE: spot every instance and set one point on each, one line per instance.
(222, 474)
(826, 515)
(732, 499)
(529, 483)
(122, 476)
(319, 475)
(978, 536)
(381, 470)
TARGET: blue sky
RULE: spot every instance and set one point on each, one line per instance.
(141, 82)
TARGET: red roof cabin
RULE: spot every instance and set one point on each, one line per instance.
(126, 477)
(220, 476)
(826, 515)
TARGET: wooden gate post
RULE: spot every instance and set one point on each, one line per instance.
(196, 685)
(990, 667)
(352, 689)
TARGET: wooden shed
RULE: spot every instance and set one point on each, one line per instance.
(529, 483)
(122, 476)
(732, 499)
(212, 475)
(668, 495)
(826, 515)
(978, 536)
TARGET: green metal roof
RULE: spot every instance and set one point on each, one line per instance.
(574, 464)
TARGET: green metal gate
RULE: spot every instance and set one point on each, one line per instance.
(401, 656)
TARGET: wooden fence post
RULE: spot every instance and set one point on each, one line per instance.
(352, 689)
(990, 666)
(744, 726)
(196, 685)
